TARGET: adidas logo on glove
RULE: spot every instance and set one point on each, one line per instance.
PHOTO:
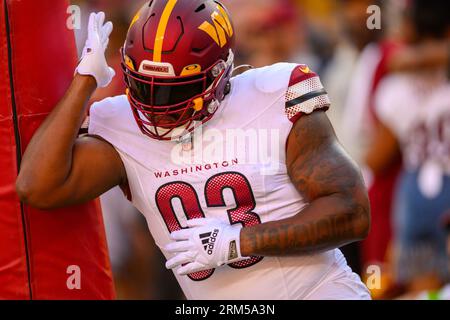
(209, 240)
(206, 244)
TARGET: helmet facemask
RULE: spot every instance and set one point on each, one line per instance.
(169, 107)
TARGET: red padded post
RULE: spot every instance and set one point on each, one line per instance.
(37, 59)
(13, 265)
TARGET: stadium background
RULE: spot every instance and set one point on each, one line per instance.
(332, 37)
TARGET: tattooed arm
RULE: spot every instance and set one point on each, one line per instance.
(338, 212)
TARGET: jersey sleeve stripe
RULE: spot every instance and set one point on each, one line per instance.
(305, 97)
(321, 102)
(303, 87)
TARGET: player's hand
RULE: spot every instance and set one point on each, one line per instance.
(93, 61)
(207, 244)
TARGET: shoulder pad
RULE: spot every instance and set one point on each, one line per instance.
(273, 78)
(108, 108)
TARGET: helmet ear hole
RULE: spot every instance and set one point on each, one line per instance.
(200, 8)
(197, 50)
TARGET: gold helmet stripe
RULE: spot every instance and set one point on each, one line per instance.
(161, 31)
(135, 19)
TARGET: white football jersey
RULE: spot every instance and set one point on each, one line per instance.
(234, 170)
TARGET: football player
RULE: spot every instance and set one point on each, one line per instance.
(229, 227)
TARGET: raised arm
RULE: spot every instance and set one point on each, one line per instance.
(59, 169)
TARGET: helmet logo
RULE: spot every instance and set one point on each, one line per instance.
(222, 27)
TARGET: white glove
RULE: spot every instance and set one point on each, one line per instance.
(93, 61)
(207, 244)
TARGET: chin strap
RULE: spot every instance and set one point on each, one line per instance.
(227, 88)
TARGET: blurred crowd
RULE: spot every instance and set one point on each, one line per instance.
(389, 84)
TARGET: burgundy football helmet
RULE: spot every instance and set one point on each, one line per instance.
(177, 62)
